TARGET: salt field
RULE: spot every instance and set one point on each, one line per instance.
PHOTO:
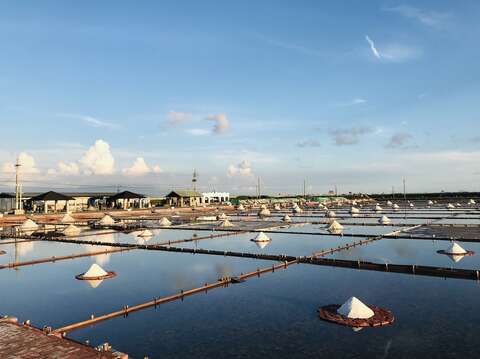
(260, 283)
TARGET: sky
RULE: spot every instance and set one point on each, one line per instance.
(136, 95)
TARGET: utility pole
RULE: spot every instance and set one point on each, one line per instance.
(258, 187)
(336, 191)
(405, 198)
(304, 189)
(194, 180)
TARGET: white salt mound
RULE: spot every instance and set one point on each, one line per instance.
(71, 230)
(384, 220)
(226, 223)
(67, 219)
(331, 214)
(287, 218)
(354, 210)
(29, 225)
(355, 309)
(261, 237)
(164, 221)
(264, 212)
(455, 248)
(95, 271)
(378, 208)
(106, 221)
(335, 227)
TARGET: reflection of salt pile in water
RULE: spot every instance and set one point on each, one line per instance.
(164, 222)
(94, 283)
(225, 223)
(145, 234)
(29, 225)
(67, 218)
(286, 218)
(23, 248)
(261, 237)
(71, 230)
(263, 244)
(384, 220)
(335, 227)
(355, 309)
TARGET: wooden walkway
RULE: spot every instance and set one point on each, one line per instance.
(19, 341)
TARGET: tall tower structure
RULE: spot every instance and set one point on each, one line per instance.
(194, 180)
(18, 187)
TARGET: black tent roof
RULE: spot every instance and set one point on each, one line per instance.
(51, 196)
(125, 195)
(6, 195)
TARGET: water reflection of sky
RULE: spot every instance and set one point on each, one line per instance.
(407, 251)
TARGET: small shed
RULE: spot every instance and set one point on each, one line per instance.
(184, 198)
(50, 201)
(127, 199)
(7, 202)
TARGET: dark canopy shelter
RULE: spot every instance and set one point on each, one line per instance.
(126, 199)
(125, 195)
(51, 196)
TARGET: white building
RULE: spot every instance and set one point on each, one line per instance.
(215, 197)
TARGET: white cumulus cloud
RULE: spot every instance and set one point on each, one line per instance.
(221, 123)
(69, 168)
(98, 159)
(244, 168)
(26, 161)
(140, 168)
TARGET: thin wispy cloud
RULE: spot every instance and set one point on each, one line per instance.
(372, 47)
(425, 17)
(349, 136)
(308, 143)
(399, 140)
(90, 120)
(353, 102)
(197, 131)
(393, 52)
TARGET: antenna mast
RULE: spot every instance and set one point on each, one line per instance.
(18, 187)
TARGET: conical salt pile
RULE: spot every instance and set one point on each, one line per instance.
(264, 212)
(95, 271)
(335, 227)
(164, 222)
(396, 207)
(450, 206)
(472, 201)
(261, 237)
(455, 248)
(225, 223)
(222, 216)
(29, 225)
(412, 205)
(71, 230)
(354, 210)
(378, 208)
(263, 206)
(384, 220)
(145, 233)
(277, 207)
(355, 309)
(331, 214)
(430, 203)
(458, 205)
(106, 221)
(389, 203)
(297, 210)
(286, 218)
(67, 218)
(240, 208)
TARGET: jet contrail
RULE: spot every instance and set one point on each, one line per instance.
(372, 47)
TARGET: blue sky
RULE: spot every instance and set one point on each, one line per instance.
(137, 94)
